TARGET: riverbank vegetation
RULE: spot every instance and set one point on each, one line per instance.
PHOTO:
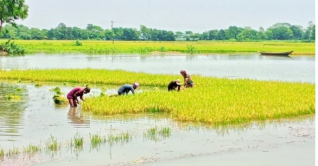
(278, 31)
(160, 47)
(212, 101)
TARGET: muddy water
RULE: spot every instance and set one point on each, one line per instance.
(35, 118)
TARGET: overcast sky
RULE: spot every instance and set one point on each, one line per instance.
(174, 15)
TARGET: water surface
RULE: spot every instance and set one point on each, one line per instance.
(252, 66)
(35, 118)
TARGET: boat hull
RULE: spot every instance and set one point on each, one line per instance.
(276, 53)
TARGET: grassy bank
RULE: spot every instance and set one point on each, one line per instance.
(146, 47)
(213, 100)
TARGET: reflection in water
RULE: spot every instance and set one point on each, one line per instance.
(74, 114)
(258, 125)
(11, 110)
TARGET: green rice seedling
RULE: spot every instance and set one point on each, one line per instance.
(13, 97)
(165, 132)
(18, 89)
(1, 152)
(52, 144)
(119, 138)
(96, 140)
(13, 152)
(157, 133)
(58, 97)
(57, 90)
(32, 149)
(38, 84)
(78, 141)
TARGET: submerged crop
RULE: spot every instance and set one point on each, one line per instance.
(212, 100)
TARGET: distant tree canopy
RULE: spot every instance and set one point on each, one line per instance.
(279, 31)
(11, 10)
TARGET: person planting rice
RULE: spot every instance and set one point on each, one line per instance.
(187, 79)
(127, 87)
(174, 84)
(77, 92)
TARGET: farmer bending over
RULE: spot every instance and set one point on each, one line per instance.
(77, 92)
(174, 84)
(127, 87)
(187, 79)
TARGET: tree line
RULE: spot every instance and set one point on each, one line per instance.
(279, 31)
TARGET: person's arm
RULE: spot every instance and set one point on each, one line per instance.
(132, 90)
(82, 97)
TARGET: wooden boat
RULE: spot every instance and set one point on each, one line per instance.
(276, 53)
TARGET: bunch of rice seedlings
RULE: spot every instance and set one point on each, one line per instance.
(52, 144)
(119, 138)
(32, 149)
(157, 133)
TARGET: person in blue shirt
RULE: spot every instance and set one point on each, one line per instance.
(127, 87)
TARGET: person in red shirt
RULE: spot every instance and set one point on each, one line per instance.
(77, 92)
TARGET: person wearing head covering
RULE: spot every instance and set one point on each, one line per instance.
(127, 87)
(77, 92)
(188, 82)
(174, 84)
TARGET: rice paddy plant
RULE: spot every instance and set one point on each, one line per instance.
(162, 49)
(31, 149)
(78, 43)
(58, 97)
(1, 152)
(157, 133)
(119, 138)
(52, 144)
(107, 47)
(213, 100)
(78, 141)
(13, 152)
(96, 140)
(13, 97)
(191, 49)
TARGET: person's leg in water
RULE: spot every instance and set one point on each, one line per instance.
(72, 102)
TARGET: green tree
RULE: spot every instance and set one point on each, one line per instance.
(11, 10)
(313, 33)
(213, 34)
(24, 32)
(221, 35)
(297, 31)
(36, 34)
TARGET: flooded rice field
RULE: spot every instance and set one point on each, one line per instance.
(35, 131)
(35, 120)
(253, 66)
